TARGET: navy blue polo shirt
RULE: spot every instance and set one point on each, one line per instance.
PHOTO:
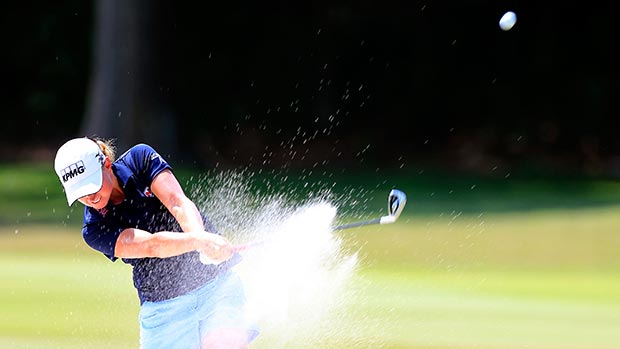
(155, 279)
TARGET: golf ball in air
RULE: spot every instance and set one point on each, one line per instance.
(508, 20)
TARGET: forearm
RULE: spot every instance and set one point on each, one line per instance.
(167, 189)
(136, 243)
(168, 244)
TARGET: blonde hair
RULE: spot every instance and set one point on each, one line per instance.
(107, 146)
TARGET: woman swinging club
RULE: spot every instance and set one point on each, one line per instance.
(136, 210)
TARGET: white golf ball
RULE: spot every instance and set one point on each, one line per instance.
(507, 21)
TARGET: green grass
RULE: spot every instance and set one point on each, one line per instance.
(418, 286)
(486, 264)
(483, 310)
(56, 294)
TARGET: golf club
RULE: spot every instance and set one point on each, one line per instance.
(396, 203)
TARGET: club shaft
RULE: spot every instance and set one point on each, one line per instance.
(357, 224)
(396, 202)
(243, 247)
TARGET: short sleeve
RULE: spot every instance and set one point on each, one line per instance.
(148, 163)
(99, 234)
(135, 169)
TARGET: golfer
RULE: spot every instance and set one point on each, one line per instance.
(136, 210)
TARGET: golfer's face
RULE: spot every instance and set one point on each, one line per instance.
(99, 199)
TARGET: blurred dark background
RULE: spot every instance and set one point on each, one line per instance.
(306, 84)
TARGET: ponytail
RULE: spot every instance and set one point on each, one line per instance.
(107, 146)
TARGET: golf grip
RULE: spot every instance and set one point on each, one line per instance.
(243, 247)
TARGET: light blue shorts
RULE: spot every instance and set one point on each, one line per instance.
(183, 321)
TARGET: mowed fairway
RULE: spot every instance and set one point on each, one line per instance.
(56, 294)
(532, 279)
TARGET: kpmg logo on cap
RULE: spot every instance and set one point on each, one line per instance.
(72, 170)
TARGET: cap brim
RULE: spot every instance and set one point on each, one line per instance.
(88, 185)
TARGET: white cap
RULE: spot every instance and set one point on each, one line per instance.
(78, 164)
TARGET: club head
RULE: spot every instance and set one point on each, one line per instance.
(396, 203)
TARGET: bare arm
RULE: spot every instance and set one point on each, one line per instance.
(136, 243)
(168, 190)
